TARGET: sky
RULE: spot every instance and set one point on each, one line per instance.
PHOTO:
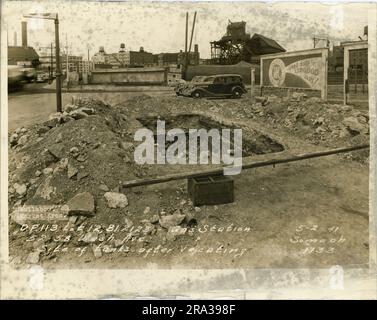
(160, 26)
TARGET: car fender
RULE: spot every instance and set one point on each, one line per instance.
(204, 91)
(239, 87)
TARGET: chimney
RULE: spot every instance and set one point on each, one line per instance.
(24, 33)
(196, 48)
(15, 39)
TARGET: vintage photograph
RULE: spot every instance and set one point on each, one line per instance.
(187, 135)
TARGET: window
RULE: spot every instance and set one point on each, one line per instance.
(220, 80)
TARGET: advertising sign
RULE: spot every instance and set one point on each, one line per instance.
(300, 69)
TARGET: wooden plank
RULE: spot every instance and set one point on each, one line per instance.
(272, 159)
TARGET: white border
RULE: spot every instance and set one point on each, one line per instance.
(101, 283)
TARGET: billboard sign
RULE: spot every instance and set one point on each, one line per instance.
(299, 69)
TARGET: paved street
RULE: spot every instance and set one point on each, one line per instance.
(27, 107)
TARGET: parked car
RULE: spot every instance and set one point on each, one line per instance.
(183, 85)
(42, 77)
(221, 85)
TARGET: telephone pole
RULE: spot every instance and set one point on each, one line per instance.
(66, 59)
(58, 71)
(51, 16)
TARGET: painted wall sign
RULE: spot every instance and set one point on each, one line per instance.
(300, 69)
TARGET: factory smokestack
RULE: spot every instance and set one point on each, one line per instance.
(24, 33)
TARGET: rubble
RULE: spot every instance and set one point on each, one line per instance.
(147, 210)
(298, 96)
(61, 166)
(103, 187)
(90, 237)
(77, 114)
(47, 171)
(71, 171)
(59, 138)
(81, 175)
(97, 251)
(116, 200)
(88, 111)
(355, 125)
(171, 220)
(70, 107)
(33, 257)
(74, 151)
(155, 218)
(128, 223)
(45, 190)
(13, 139)
(22, 140)
(43, 130)
(174, 232)
(81, 204)
(20, 189)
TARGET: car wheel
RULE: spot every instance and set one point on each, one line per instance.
(237, 93)
(196, 94)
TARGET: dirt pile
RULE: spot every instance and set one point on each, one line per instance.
(85, 146)
(314, 120)
(73, 165)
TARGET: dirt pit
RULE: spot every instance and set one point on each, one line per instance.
(253, 141)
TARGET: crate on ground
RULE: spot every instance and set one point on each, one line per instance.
(211, 190)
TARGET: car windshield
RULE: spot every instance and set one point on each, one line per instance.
(208, 79)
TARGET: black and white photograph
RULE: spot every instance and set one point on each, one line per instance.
(212, 148)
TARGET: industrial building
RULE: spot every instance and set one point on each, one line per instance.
(358, 62)
(23, 55)
(122, 59)
(178, 58)
(142, 58)
(237, 45)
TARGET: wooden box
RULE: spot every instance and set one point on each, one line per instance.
(211, 190)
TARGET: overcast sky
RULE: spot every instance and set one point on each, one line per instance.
(160, 27)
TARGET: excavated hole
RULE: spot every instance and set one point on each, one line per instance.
(253, 142)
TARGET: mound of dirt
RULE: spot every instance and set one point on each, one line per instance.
(76, 161)
(314, 120)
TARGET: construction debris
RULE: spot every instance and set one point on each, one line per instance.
(81, 204)
(116, 200)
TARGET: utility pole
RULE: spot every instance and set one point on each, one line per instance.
(66, 59)
(186, 36)
(192, 34)
(50, 16)
(51, 64)
(58, 71)
(88, 61)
